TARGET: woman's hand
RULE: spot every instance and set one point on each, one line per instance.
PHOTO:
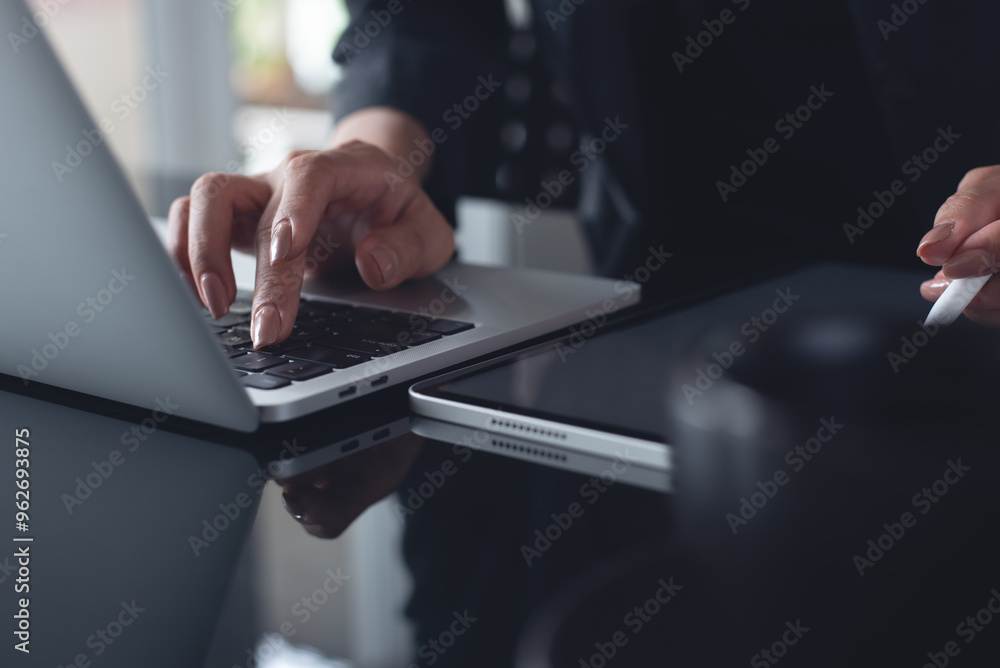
(317, 211)
(965, 241)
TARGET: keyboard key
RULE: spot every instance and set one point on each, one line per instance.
(448, 327)
(311, 306)
(299, 370)
(365, 313)
(254, 361)
(371, 330)
(359, 344)
(233, 339)
(241, 307)
(276, 349)
(320, 320)
(264, 382)
(229, 319)
(305, 334)
(405, 320)
(340, 359)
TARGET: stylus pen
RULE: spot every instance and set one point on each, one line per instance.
(954, 299)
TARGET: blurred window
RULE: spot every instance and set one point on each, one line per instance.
(282, 51)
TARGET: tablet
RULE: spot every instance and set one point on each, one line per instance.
(735, 367)
(549, 405)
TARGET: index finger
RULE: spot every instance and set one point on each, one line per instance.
(276, 289)
(975, 204)
(324, 184)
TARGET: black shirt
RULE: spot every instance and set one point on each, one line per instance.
(668, 178)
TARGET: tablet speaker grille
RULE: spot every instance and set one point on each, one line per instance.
(520, 428)
(538, 452)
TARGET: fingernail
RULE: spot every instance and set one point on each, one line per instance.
(938, 233)
(297, 511)
(321, 482)
(215, 295)
(281, 240)
(266, 324)
(385, 259)
(935, 284)
(969, 263)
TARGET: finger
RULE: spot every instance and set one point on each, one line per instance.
(290, 499)
(245, 224)
(244, 233)
(982, 307)
(974, 205)
(978, 255)
(276, 290)
(935, 287)
(215, 198)
(325, 184)
(323, 513)
(177, 238)
(419, 243)
(350, 486)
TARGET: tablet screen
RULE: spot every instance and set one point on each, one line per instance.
(614, 383)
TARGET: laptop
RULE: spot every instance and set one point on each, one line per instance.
(92, 303)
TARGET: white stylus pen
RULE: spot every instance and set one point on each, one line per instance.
(954, 299)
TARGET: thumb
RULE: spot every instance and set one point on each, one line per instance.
(978, 255)
(419, 242)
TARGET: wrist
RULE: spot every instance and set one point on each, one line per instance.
(393, 131)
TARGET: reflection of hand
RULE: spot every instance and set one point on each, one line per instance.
(327, 499)
(965, 239)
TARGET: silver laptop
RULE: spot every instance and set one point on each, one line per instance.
(92, 303)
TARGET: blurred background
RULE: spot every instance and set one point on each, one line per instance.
(236, 85)
(227, 68)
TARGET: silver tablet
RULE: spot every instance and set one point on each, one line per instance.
(543, 405)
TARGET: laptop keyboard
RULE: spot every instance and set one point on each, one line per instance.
(327, 336)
